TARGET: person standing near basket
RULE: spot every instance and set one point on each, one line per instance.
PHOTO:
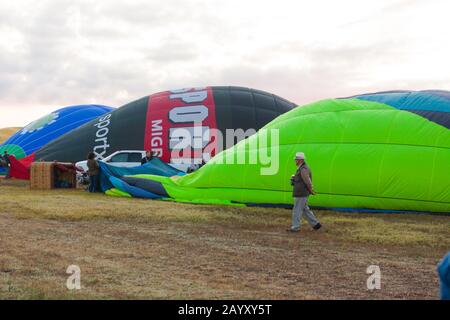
(7, 164)
(94, 172)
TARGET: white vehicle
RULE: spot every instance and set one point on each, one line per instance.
(127, 159)
(123, 158)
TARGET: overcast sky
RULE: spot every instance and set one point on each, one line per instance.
(66, 52)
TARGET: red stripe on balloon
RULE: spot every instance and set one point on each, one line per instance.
(159, 123)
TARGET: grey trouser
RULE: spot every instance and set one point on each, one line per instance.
(300, 207)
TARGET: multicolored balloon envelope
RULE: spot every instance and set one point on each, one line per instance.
(46, 129)
(384, 151)
(180, 126)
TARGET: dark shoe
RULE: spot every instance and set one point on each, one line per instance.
(317, 226)
(292, 230)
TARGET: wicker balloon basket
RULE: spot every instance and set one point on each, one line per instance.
(51, 175)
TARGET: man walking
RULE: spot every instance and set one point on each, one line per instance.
(303, 188)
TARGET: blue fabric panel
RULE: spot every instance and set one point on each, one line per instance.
(155, 167)
(147, 185)
(438, 101)
(433, 105)
(133, 191)
(37, 134)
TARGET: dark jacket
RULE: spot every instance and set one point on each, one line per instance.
(94, 168)
(302, 182)
(145, 160)
(6, 159)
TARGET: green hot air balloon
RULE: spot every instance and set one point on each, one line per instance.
(385, 151)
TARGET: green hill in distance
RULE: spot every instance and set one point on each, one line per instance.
(5, 133)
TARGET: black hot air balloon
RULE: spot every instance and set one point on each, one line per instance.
(164, 122)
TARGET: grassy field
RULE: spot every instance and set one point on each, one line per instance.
(141, 249)
(5, 133)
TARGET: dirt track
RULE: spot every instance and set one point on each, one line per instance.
(191, 258)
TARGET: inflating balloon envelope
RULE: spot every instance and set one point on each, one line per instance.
(384, 151)
(40, 132)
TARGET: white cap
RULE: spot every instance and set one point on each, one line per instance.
(300, 156)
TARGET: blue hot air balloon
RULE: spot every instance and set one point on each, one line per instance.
(50, 127)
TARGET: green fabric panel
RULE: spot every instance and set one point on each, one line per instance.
(13, 150)
(117, 193)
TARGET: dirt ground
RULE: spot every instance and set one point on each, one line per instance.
(141, 249)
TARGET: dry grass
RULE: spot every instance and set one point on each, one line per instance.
(129, 248)
(5, 133)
